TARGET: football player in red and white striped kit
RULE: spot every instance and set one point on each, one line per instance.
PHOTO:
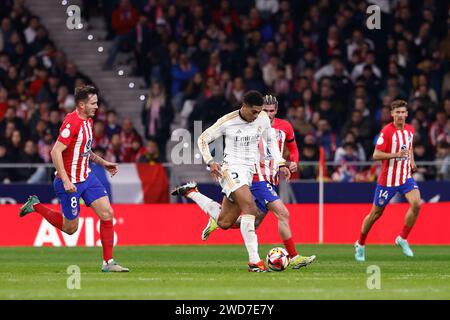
(394, 149)
(71, 155)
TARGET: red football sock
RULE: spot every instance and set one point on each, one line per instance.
(362, 239)
(235, 226)
(405, 232)
(107, 239)
(290, 247)
(54, 217)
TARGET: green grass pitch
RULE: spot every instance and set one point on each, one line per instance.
(219, 272)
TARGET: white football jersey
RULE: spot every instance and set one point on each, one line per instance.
(241, 139)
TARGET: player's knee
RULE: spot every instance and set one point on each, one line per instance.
(107, 214)
(416, 206)
(224, 225)
(249, 208)
(284, 215)
(376, 214)
(71, 229)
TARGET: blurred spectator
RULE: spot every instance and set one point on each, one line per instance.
(346, 172)
(438, 127)
(111, 124)
(443, 155)
(156, 117)
(100, 139)
(309, 153)
(45, 145)
(128, 136)
(350, 138)
(124, 19)
(115, 153)
(4, 172)
(326, 138)
(30, 155)
(151, 154)
(423, 172)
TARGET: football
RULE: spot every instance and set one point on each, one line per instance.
(277, 259)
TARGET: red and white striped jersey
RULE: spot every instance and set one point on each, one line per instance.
(76, 134)
(395, 172)
(267, 170)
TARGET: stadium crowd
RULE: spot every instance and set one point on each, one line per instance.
(334, 78)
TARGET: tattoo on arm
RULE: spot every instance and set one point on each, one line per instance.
(96, 159)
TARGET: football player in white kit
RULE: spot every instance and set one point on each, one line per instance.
(242, 130)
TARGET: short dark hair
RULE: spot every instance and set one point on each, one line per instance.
(82, 93)
(398, 104)
(253, 98)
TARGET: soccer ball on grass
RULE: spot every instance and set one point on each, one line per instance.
(277, 259)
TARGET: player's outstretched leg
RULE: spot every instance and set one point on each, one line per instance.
(211, 207)
(369, 220)
(55, 218)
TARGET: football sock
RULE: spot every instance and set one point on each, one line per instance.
(405, 232)
(290, 247)
(107, 238)
(250, 237)
(208, 205)
(55, 218)
(362, 239)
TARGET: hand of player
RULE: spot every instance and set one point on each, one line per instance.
(216, 171)
(293, 167)
(112, 168)
(413, 167)
(69, 187)
(287, 172)
(402, 154)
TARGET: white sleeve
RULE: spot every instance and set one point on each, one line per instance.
(271, 140)
(208, 136)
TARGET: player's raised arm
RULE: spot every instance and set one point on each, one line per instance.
(57, 159)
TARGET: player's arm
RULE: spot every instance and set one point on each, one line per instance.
(413, 162)
(112, 167)
(291, 145)
(271, 141)
(57, 159)
(381, 155)
(208, 136)
(382, 146)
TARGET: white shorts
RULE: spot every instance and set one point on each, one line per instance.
(234, 177)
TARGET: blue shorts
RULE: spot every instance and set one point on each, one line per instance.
(264, 193)
(89, 190)
(384, 194)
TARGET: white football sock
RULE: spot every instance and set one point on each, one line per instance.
(208, 205)
(250, 237)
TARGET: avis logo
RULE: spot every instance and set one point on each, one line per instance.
(49, 235)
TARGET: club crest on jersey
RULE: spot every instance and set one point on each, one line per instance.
(88, 148)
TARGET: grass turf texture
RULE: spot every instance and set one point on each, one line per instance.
(219, 272)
